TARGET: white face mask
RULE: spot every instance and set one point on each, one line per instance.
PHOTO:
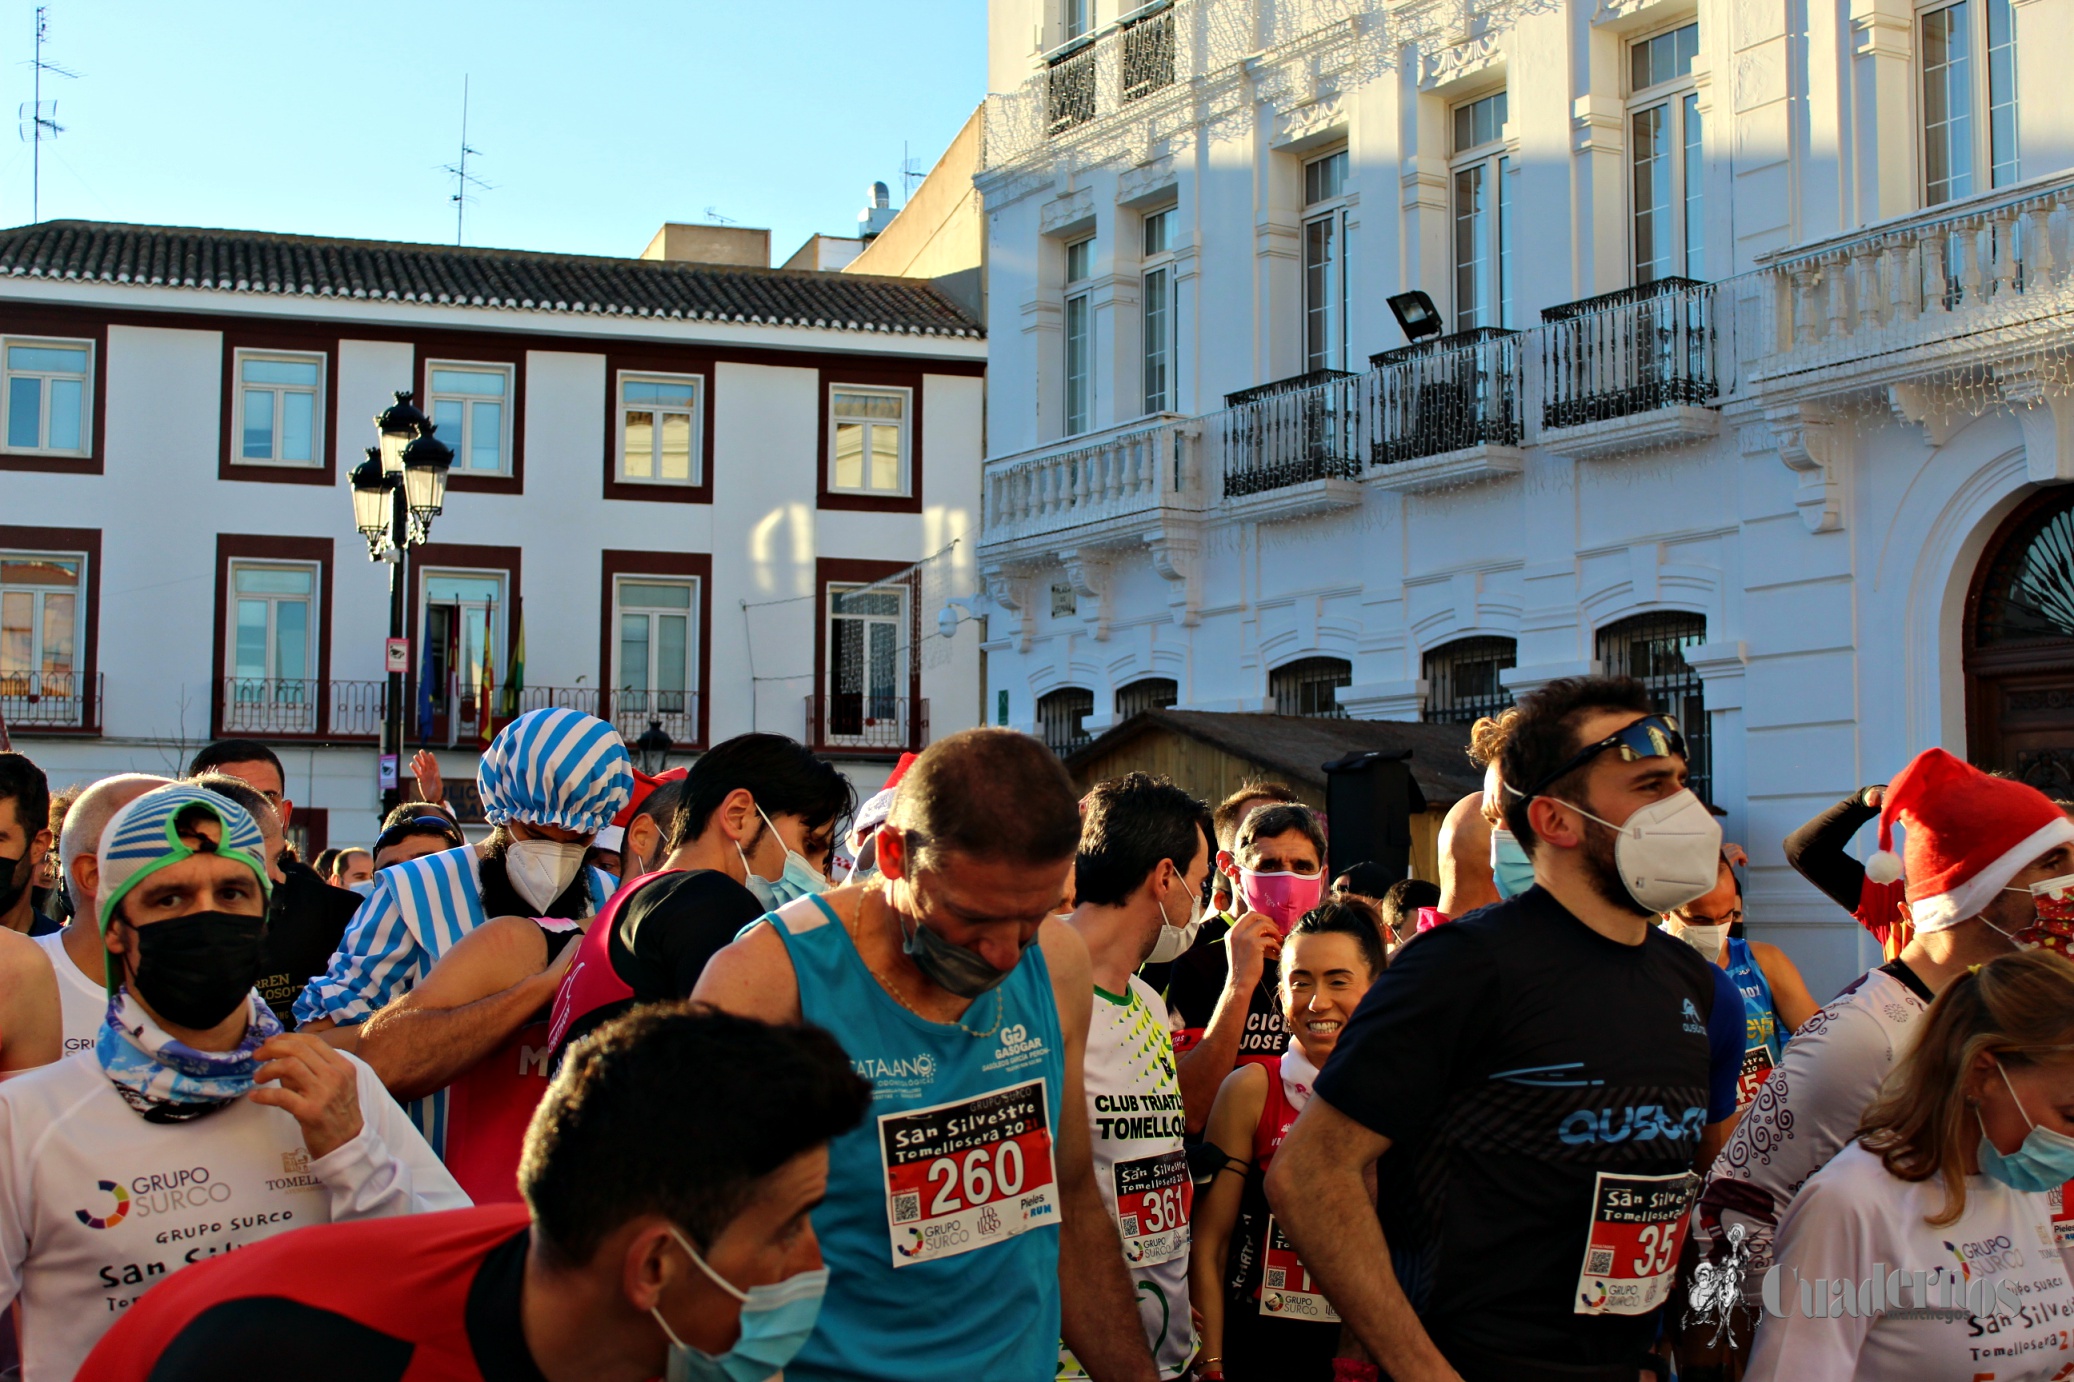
(1667, 853)
(1705, 939)
(1174, 940)
(540, 869)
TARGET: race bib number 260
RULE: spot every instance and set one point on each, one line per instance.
(963, 1175)
(1631, 1253)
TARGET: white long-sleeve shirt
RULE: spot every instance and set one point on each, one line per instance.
(2004, 1317)
(97, 1204)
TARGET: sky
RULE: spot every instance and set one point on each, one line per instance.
(596, 122)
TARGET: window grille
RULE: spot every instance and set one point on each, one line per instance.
(1462, 681)
(1308, 686)
(1651, 649)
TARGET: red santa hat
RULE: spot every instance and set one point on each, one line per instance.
(878, 805)
(1968, 835)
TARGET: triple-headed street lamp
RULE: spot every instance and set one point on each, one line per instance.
(397, 492)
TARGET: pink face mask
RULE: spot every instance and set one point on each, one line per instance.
(1282, 898)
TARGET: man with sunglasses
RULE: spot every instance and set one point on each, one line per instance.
(1536, 1164)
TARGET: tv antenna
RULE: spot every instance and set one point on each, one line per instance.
(39, 118)
(713, 215)
(911, 172)
(463, 179)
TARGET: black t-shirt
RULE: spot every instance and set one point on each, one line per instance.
(1193, 983)
(1514, 1058)
(668, 929)
(304, 922)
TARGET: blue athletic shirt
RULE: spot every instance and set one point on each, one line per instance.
(1544, 1089)
(1762, 1044)
(940, 1228)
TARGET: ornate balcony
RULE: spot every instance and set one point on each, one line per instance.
(50, 703)
(1095, 489)
(1294, 446)
(1969, 284)
(1446, 411)
(1629, 369)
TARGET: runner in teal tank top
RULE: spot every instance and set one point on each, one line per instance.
(963, 1227)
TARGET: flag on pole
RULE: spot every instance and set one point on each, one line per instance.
(515, 679)
(486, 715)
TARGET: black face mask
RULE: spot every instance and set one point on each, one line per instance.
(194, 970)
(14, 879)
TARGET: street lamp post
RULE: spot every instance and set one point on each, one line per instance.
(397, 492)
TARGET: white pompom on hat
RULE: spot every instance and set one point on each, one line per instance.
(1968, 835)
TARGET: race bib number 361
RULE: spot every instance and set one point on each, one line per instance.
(962, 1175)
(1153, 1198)
(1631, 1254)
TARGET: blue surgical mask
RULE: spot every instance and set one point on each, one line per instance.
(2044, 1162)
(798, 880)
(776, 1321)
(1511, 869)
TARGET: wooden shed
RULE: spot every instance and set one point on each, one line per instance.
(1212, 754)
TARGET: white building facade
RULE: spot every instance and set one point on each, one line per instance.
(695, 499)
(1751, 377)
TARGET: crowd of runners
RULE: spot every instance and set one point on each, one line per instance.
(724, 1074)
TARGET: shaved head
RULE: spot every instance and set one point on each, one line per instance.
(95, 807)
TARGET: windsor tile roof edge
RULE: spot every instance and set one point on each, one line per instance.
(310, 266)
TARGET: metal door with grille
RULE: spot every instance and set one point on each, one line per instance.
(1651, 649)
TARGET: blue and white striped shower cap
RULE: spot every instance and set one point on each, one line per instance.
(555, 767)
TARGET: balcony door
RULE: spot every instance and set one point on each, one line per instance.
(462, 616)
(273, 649)
(868, 668)
(2019, 652)
(41, 608)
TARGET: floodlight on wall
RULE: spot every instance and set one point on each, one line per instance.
(1416, 314)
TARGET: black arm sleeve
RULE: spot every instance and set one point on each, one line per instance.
(1816, 851)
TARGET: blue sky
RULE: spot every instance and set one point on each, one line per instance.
(597, 122)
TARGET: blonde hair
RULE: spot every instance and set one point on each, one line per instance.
(1488, 735)
(2017, 1008)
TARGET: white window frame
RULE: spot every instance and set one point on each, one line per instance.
(1078, 404)
(1490, 161)
(1678, 98)
(39, 632)
(47, 378)
(1982, 90)
(1159, 334)
(681, 722)
(318, 395)
(904, 669)
(1334, 297)
(906, 428)
(285, 711)
(507, 401)
(698, 428)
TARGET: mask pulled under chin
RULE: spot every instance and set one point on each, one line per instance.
(776, 1321)
(539, 870)
(2044, 1162)
(952, 968)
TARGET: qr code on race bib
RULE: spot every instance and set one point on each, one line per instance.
(1128, 1223)
(1601, 1263)
(1278, 1278)
(907, 1208)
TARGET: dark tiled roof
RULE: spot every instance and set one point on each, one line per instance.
(250, 261)
(1295, 748)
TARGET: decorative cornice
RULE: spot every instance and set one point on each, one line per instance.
(1460, 61)
(1812, 445)
(1066, 209)
(1090, 572)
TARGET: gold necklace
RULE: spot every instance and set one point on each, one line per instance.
(1000, 1001)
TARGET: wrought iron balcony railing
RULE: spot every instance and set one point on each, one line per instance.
(1071, 87)
(1148, 51)
(1628, 352)
(1444, 395)
(676, 712)
(863, 722)
(50, 702)
(1293, 431)
(296, 708)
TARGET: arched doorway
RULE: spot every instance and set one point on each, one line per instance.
(2020, 646)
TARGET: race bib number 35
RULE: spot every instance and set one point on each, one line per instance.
(1286, 1289)
(1631, 1254)
(963, 1175)
(1153, 1198)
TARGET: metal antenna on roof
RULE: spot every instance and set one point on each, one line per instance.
(39, 118)
(713, 215)
(911, 172)
(463, 179)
